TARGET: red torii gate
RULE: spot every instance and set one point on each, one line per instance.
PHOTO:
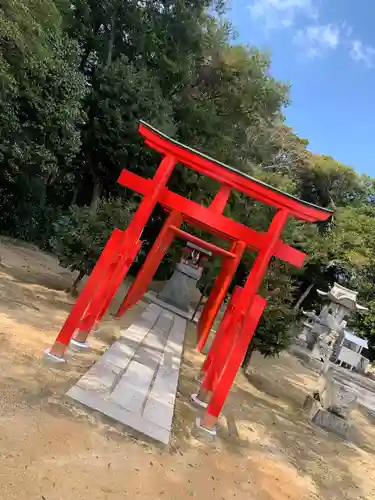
(245, 308)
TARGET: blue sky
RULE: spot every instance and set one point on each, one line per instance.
(326, 50)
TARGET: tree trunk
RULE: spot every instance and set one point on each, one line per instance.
(247, 358)
(85, 57)
(303, 297)
(43, 198)
(75, 194)
(110, 44)
(96, 192)
(73, 288)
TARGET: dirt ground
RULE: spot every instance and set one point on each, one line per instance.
(51, 449)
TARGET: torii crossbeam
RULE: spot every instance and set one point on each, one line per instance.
(246, 307)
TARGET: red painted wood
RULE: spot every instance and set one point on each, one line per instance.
(221, 199)
(101, 304)
(218, 293)
(247, 314)
(203, 244)
(94, 281)
(262, 260)
(213, 222)
(156, 254)
(114, 247)
(153, 259)
(239, 323)
(235, 358)
(246, 185)
(217, 354)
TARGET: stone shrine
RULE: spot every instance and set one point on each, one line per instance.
(180, 289)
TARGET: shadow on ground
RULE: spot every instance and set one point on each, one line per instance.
(266, 449)
(263, 415)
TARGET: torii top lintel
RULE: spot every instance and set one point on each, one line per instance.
(232, 177)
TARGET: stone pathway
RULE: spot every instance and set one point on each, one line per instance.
(153, 297)
(135, 380)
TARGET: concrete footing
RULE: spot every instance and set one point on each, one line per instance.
(201, 432)
(195, 399)
(74, 345)
(51, 358)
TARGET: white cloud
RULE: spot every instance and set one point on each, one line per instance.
(346, 29)
(281, 13)
(316, 39)
(362, 53)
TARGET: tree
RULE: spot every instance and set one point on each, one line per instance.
(137, 56)
(290, 155)
(41, 111)
(122, 94)
(329, 183)
(76, 75)
(229, 108)
(80, 235)
(233, 92)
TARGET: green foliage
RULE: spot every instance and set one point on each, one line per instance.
(273, 333)
(123, 94)
(80, 235)
(75, 76)
(366, 322)
(329, 183)
(40, 111)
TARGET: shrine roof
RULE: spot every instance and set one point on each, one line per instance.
(226, 174)
(351, 337)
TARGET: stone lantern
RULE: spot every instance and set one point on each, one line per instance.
(322, 332)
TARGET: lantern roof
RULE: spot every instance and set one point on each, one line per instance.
(343, 296)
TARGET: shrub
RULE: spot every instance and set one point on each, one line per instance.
(80, 235)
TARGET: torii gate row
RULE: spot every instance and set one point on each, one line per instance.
(195, 214)
(209, 219)
(169, 231)
(123, 246)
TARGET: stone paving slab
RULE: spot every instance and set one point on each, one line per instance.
(135, 380)
(152, 296)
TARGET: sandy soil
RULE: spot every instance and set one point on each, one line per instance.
(51, 449)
